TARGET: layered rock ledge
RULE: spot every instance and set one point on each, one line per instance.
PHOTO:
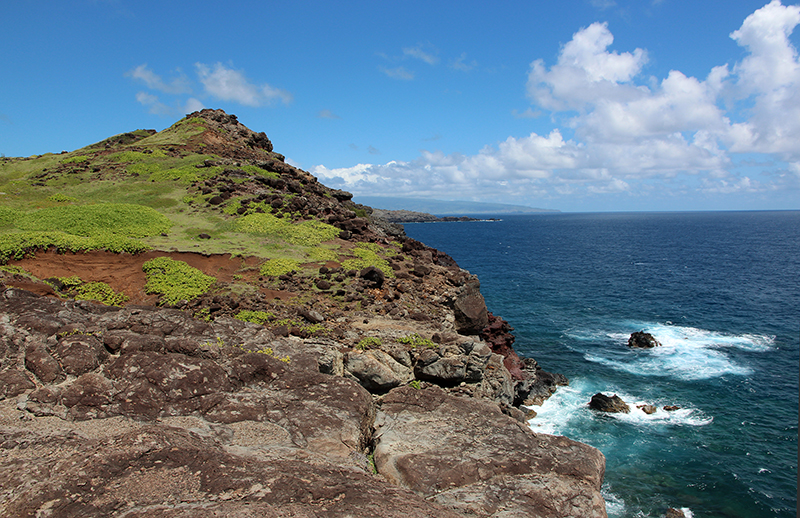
(144, 411)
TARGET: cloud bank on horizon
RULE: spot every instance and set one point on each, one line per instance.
(619, 131)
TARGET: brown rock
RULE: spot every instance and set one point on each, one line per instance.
(612, 404)
(495, 464)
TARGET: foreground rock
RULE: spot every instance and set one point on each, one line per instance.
(141, 411)
(642, 340)
(469, 457)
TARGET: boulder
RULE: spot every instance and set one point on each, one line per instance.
(647, 409)
(611, 404)
(377, 371)
(496, 466)
(642, 340)
(469, 307)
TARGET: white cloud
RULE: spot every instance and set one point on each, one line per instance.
(460, 63)
(770, 76)
(179, 85)
(398, 73)
(625, 132)
(421, 53)
(154, 105)
(192, 105)
(232, 85)
(327, 114)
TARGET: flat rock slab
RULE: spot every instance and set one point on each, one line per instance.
(466, 455)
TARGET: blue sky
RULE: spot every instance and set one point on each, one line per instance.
(576, 105)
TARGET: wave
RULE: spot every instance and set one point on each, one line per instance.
(567, 411)
(686, 353)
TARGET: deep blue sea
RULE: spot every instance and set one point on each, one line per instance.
(719, 290)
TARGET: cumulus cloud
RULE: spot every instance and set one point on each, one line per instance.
(178, 85)
(228, 84)
(622, 131)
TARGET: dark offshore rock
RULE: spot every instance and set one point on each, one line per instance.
(642, 340)
(496, 466)
(611, 404)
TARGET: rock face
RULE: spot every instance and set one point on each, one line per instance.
(611, 404)
(470, 458)
(642, 340)
(142, 411)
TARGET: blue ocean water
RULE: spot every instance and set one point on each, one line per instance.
(719, 290)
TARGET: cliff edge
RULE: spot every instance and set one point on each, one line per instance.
(192, 327)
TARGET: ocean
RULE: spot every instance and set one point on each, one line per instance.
(719, 290)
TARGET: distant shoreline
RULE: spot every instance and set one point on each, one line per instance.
(408, 216)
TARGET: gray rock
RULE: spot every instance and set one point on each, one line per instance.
(496, 466)
(642, 340)
(377, 371)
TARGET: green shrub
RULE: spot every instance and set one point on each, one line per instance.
(7, 216)
(175, 280)
(322, 255)
(17, 245)
(368, 343)
(101, 292)
(367, 255)
(61, 198)
(276, 267)
(75, 159)
(306, 233)
(87, 220)
(256, 317)
(415, 340)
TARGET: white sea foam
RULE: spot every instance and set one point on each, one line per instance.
(568, 410)
(687, 352)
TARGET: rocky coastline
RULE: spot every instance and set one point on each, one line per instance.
(369, 392)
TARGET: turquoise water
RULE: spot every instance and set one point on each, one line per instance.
(719, 290)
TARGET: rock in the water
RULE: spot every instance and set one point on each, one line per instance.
(647, 409)
(675, 513)
(642, 340)
(611, 404)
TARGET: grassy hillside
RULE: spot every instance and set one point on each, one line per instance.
(207, 184)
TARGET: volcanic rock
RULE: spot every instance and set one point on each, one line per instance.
(611, 404)
(642, 340)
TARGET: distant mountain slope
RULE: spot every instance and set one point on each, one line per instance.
(442, 208)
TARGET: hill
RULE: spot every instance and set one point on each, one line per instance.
(446, 208)
(193, 327)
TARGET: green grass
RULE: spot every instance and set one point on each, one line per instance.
(276, 267)
(369, 254)
(304, 233)
(175, 280)
(88, 220)
(19, 244)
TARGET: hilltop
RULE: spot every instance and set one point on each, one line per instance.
(193, 327)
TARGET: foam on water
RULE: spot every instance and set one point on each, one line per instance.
(568, 409)
(686, 353)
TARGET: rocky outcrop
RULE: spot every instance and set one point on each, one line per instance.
(468, 457)
(147, 411)
(642, 340)
(611, 404)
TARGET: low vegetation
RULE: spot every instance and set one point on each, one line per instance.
(175, 281)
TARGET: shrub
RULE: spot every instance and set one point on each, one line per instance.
(367, 255)
(61, 198)
(75, 159)
(368, 343)
(86, 220)
(256, 317)
(415, 340)
(175, 280)
(275, 267)
(101, 292)
(306, 233)
(17, 245)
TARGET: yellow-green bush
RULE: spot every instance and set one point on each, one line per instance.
(275, 267)
(306, 233)
(175, 280)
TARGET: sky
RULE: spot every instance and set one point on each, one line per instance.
(575, 105)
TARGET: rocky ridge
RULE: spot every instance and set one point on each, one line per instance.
(377, 391)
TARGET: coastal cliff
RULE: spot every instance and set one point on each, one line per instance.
(323, 363)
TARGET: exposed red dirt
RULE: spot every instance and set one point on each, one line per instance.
(123, 272)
